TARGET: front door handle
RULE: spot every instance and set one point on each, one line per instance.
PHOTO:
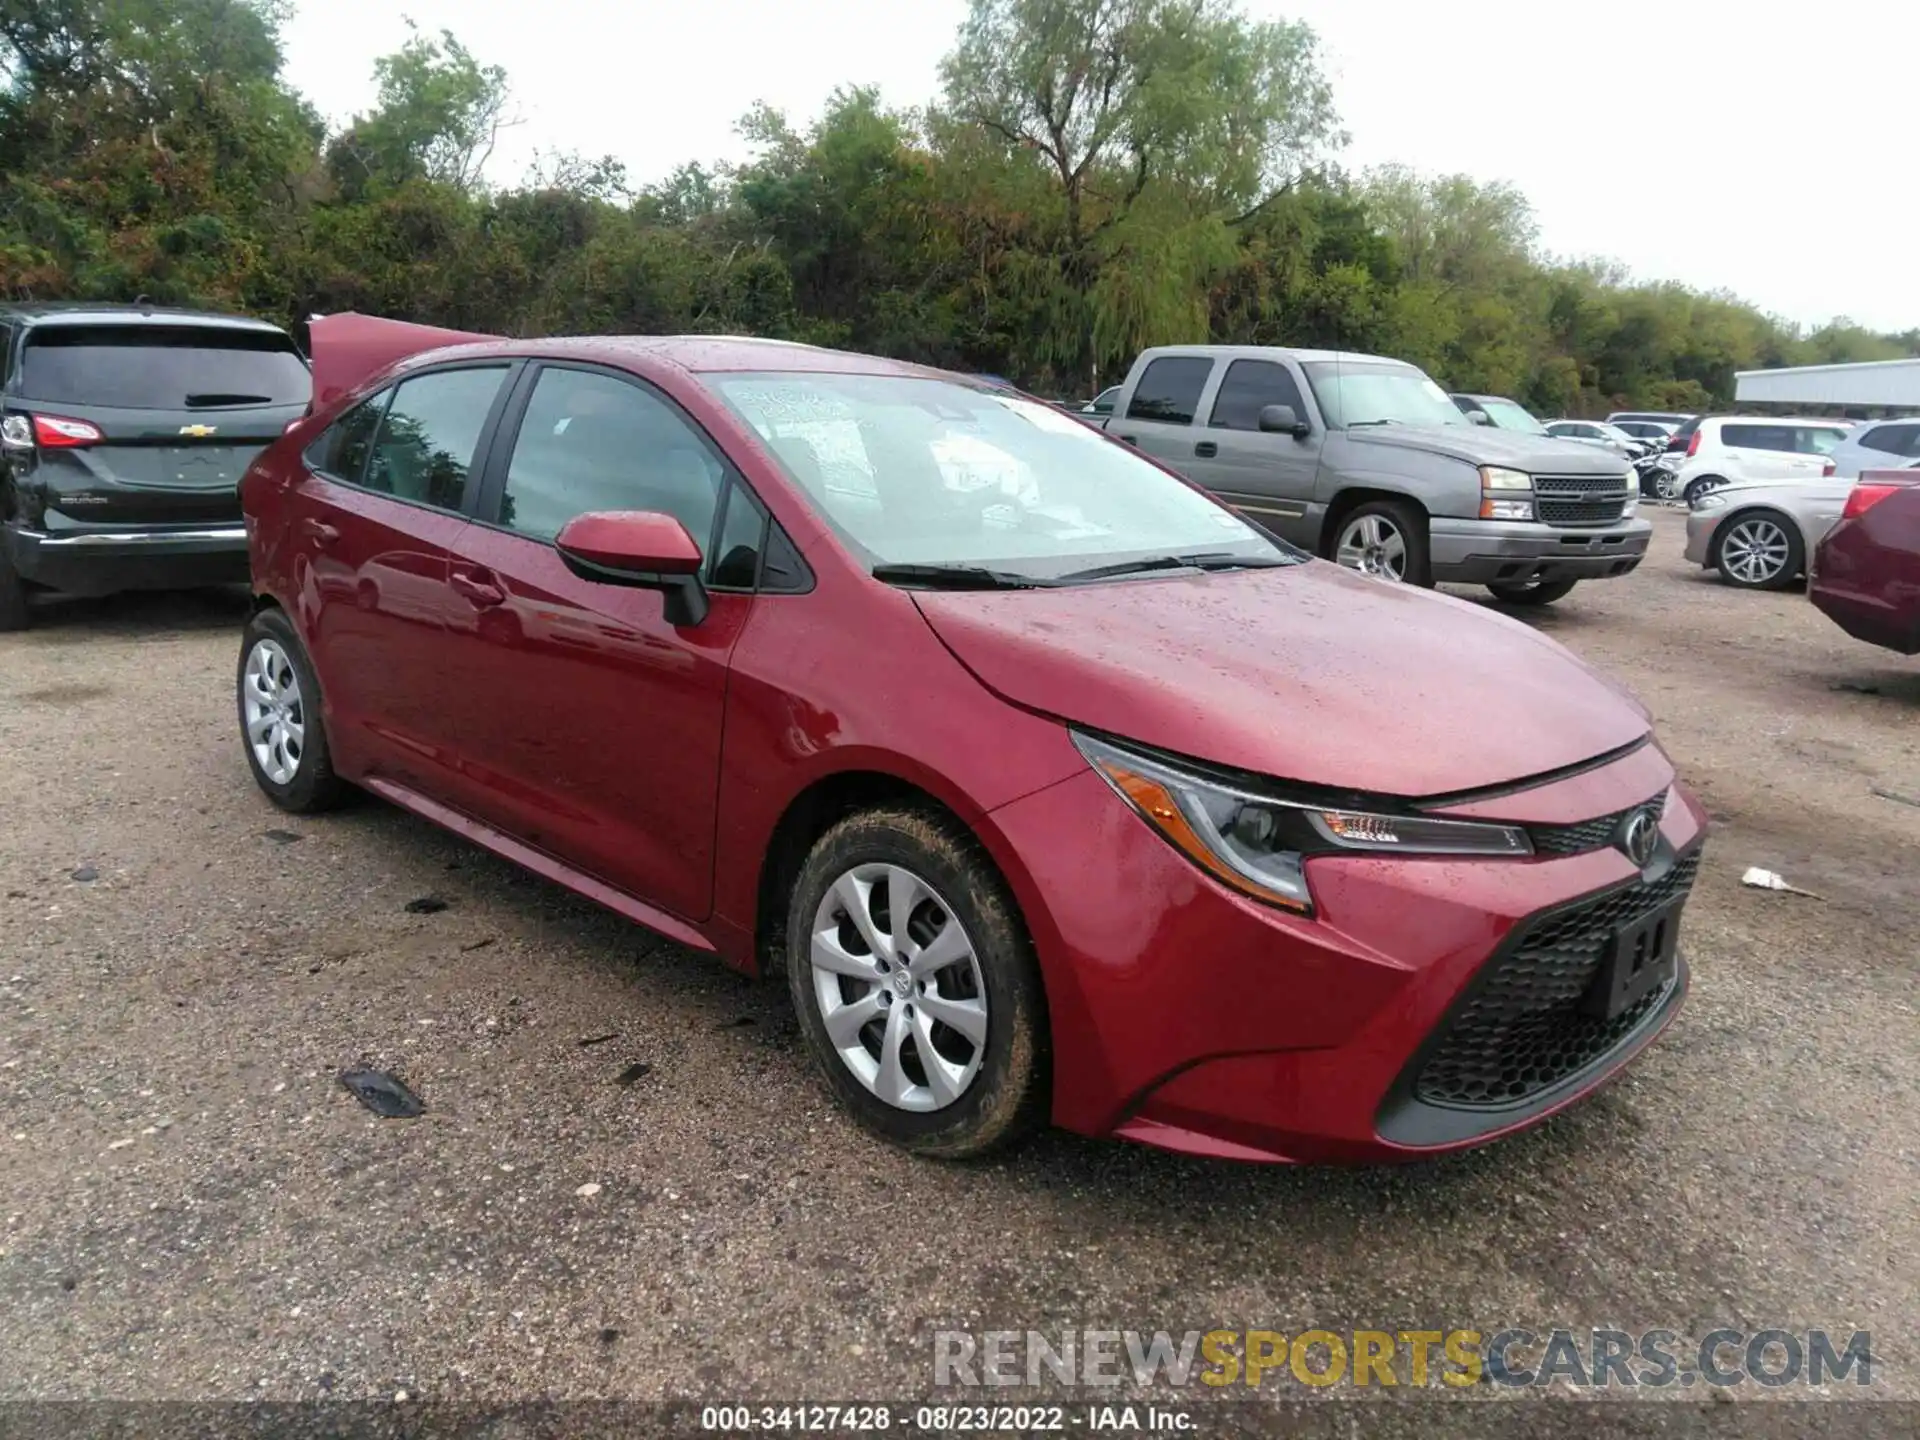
(478, 587)
(319, 532)
(1206, 449)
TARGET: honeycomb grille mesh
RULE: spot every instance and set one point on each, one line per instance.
(1522, 1029)
(1594, 834)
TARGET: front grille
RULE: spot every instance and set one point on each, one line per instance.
(1576, 500)
(1522, 1029)
(1594, 834)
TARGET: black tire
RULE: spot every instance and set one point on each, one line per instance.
(1796, 550)
(1406, 517)
(1007, 1096)
(1538, 592)
(1699, 486)
(14, 614)
(314, 786)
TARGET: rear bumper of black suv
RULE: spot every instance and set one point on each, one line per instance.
(103, 562)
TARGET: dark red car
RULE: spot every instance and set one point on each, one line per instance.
(1865, 574)
(1053, 789)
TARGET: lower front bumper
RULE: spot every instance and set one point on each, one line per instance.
(1187, 1017)
(1482, 552)
(101, 562)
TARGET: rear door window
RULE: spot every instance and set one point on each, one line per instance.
(425, 442)
(341, 450)
(1757, 437)
(161, 367)
(1248, 388)
(1169, 389)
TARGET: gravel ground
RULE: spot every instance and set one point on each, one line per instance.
(192, 1208)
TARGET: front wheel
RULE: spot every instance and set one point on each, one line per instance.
(915, 984)
(1761, 551)
(281, 726)
(1387, 539)
(1537, 592)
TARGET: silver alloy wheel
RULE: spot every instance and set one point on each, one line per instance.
(276, 716)
(1755, 551)
(1373, 545)
(899, 987)
(1663, 486)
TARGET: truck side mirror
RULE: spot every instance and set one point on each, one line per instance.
(1281, 420)
(1479, 417)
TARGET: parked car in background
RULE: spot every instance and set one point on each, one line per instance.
(1598, 432)
(1671, 420)
(982, 771)
(1726, 449)
(1501, 413)
(1866, 573)
(1877, 445)
(1653, 433)
(125, 432)
(1759, 533)
(1366, 461)
(1102, 404)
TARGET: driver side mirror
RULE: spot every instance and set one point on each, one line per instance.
(639, 548)
(1479, 417)
(1282, 420)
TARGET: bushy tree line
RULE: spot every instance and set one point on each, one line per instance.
(1096, 176)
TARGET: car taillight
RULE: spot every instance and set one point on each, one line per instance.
(1693, 445)
(1828, 470)
(53, 432)
(1863, 498)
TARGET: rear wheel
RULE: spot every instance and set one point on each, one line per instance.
(13, 594)
(1758, 551)
(281, 727)
(1700, 486)
(1536, 592)
(915, 984)
(1385, 538)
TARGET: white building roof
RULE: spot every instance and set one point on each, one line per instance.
(1872, 382)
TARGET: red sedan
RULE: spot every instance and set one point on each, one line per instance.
(1865, 575)
(1053, 788)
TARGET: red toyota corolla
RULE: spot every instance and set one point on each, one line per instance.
(1053, 787)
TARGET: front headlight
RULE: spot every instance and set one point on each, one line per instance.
(1494, 477)
(1505, 494)
(1258, 843)
(1632, 481)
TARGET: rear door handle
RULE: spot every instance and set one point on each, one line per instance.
(478, 586)
(1206, 449)
(319, 532)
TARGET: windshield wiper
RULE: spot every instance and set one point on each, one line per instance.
(1201, 560)
(957, 577)
(221, 397)
(1362, 424)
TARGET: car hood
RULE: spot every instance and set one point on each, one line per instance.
(1485, 445)
(1308, 673)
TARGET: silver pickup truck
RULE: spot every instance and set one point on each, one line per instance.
(1366, 461)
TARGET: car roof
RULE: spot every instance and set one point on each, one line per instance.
(697, 353)
(1267, 352)
(87, 312)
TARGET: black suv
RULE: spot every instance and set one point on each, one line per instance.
(125, 432)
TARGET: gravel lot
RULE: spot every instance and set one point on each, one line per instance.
(191, 1207)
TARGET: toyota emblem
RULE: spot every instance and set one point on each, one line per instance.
(1640, 836)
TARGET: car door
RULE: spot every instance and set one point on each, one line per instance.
(1268, 477)
(592, 724)
(380, 496)
(1161, 410)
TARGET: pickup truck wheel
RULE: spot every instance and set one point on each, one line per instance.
(1537, 592)
(1387, 539)
(13, 594)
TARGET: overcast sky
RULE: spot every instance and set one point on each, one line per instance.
(1696, 140)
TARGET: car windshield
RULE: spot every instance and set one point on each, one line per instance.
(927, 472)
(1506, 415)
(1372, 393)
(162, 367)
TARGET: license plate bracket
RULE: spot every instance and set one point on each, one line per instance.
(1639, 960)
